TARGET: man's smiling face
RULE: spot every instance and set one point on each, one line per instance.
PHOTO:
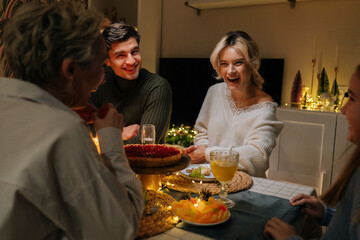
(125, 59)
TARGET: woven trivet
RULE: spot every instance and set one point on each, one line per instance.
(241, 181)
(157, 216)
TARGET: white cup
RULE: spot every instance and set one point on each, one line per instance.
(148, 134)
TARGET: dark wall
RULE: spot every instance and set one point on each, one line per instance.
(190, 79)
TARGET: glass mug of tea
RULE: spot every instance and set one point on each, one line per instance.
(148, 134)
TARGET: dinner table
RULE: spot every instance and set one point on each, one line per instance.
(254, 207)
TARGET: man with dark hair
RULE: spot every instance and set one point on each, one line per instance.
(142, 97)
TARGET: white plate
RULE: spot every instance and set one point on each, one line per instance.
(209, 178)
(206, 224)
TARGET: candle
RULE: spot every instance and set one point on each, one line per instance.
(320, 63)
(96, 142)
(336, 55)
(315, 47)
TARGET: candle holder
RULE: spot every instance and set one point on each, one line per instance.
(318, 76)
(336, 72)
(337, 101)
(313, 61)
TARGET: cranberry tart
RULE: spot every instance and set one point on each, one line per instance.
(152, 155)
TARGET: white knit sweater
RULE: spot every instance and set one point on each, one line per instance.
(251, 131)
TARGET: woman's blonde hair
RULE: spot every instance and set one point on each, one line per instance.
(40, 36)
(243, 42)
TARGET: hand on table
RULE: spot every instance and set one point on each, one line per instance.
(278, 229)
(112, 119)
(313, 205)
(189, 149)
(197, 154)
(130, 131)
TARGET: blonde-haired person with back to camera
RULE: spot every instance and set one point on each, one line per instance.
(237, 113)
(339, 207)
(53, 182)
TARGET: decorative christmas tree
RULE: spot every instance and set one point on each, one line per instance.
(335, 92)
(296, 90)
(324, 85)
(304, 100)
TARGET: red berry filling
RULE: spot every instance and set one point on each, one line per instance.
(150, 151)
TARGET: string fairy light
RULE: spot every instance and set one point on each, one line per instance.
(181, 135)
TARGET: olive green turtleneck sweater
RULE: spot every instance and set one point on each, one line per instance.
(146, 99)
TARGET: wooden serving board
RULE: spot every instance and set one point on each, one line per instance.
(184, 162)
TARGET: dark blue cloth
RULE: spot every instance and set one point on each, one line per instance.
(248, 217)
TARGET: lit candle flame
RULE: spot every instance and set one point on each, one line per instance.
(96, 142)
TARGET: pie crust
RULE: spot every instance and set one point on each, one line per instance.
(152, 155)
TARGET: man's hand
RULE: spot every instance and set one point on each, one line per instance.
(313, 205)
(130, 131)
(278, 229)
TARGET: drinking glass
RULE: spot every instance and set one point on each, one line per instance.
(148, 134)
(224, 164)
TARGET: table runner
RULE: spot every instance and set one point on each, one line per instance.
(248, 217)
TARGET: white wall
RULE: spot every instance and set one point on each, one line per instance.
(149, 26)
(280, 31)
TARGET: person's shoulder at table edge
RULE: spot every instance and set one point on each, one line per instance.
(57, 122)
(68, 120)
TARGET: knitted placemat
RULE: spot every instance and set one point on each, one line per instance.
(241, 181)
(157, 217)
